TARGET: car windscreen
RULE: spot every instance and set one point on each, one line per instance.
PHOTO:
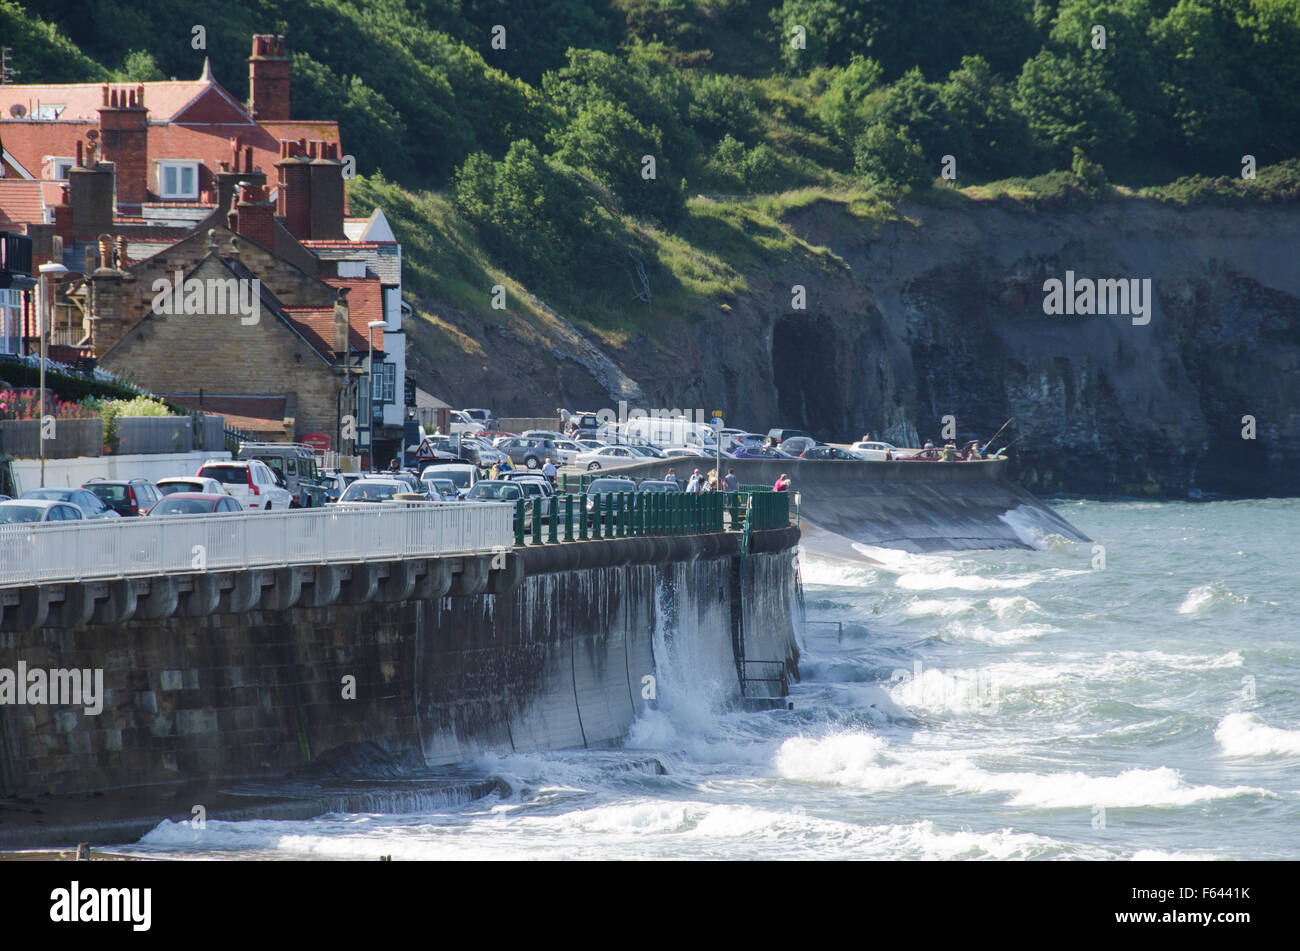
(182, 507)
(611, 485)
(371, 492)
(226, 475)
(169, 488)
(109, 493)
(58, 495)
(458, 476)
(485, 492)
(12, 514)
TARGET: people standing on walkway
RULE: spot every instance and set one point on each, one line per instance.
(693, 483)
(549, 470)
(731, 482)
(782, 484)
(671, 476)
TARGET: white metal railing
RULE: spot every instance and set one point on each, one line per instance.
(105, 549)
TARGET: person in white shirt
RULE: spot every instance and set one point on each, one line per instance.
(693, 484)
(549, 470)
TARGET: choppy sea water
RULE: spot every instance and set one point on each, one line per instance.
(1141, 701)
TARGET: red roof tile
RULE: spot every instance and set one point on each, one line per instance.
(21, 201)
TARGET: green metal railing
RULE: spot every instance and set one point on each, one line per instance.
(571, 517)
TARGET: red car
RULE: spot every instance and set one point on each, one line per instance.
(195, 503)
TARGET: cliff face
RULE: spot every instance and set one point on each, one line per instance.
(941, 312)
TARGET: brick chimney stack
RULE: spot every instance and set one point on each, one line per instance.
(124, 138)
(238, 169)
(268, 78)
(327, 193)
(90, 194)
(254, 216)
(293, 193)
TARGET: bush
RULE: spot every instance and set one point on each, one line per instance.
(886, 156)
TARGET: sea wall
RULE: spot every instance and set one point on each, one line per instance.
(384, 688)
(912, 506)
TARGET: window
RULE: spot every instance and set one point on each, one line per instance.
(384, 383)
(11, 320)
(178, 180)
(59, 166)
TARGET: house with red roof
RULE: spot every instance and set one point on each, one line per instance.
(128, 184)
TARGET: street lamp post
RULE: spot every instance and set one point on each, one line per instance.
(52, 271)
(370, 385)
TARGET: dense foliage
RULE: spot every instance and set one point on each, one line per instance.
(561, 127)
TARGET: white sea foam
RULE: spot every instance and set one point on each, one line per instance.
(866, 762)
(1204, 598)
(1246, 734)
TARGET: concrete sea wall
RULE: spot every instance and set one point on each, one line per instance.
(912, 506)
(381, 689)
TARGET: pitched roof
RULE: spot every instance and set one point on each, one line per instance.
(164, 99)
(21, 200)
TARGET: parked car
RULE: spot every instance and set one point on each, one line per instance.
(173, 484)
(826, 452)
(589, 445)
(125, 496)
(443, 449)
(374, 489)
(533, 485)
(608, 456)
(798, 445)
(604, 487)
(533, 451)
(195, 503)
(337, 482)
(568, 450)
(462, 423)
(873, 451)
(495, 490)
(480, 452)
(481, 416)
(779, 436)
(463, 474)
(443, 489)
(91, 505)
(760, 452)
(543, 434)
(925, 455)
(295, 464)
(659, 485)
(16, 511)
(251, 483)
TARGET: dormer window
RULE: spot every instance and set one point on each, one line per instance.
(59, 166)
(178, 181)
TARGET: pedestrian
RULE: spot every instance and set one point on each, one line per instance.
(495, 470)
(782, 484)
(731, 483)
(693, 483)
(671, 476)
(549, 470)
(393, 465)
(929, 444)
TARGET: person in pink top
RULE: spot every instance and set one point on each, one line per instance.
(781, 484)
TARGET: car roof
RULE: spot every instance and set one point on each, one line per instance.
(43, 503)
(203, 496)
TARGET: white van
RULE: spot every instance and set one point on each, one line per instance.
(671, 433)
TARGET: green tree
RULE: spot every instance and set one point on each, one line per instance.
(1067, 103)
(886, 156)
(980, 105)
(139, 67)
(919, 109)
(847, 89)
